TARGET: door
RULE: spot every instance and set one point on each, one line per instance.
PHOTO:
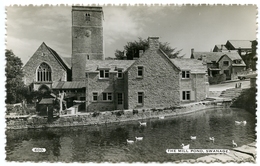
(120, 101)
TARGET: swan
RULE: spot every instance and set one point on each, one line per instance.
(244, 122)
(161, 117)
(212, 139)
(142, 123)
(238, 122)
(139, 138)
(130, 141)
(185, 146)
(193, 137)
(234, 144)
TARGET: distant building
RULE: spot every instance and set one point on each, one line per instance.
(149, 81)
(244, 49)
(228, 63)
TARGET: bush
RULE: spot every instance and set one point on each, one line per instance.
(217, 79)
(135, 112)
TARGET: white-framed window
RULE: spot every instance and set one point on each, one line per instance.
(95, 96)
(140, 98)
(140, 71)
(103, 73)
(225, 63)
(107, 96)
(185, 95)
(185, 74)
(119, 73)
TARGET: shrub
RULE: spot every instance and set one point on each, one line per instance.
(95, 114)
(135, 112)
(217, 79)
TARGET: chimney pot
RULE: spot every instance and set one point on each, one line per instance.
(192, 51)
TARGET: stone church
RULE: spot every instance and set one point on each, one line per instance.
(153, 80)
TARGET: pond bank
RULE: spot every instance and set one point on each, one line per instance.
(245, 153)
(97, 118)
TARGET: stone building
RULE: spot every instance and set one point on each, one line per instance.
(153, 80)
(229, 63)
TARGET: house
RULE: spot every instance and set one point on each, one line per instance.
(150, 81)
(229, 63)
(245, 49)
(45, 67)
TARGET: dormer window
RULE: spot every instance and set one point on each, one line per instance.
(119, 73)
(185, 74)
(87, 17)
(103, 73)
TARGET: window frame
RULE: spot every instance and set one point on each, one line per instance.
(185, 74)
(87, 17)
(107, 95)
(94, 94)
(140, 69)
(140, 94)
(118, 73)
(105, 71)
(186, 95)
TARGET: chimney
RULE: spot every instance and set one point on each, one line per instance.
(222, 46)
(141, 53)
(192, 51)
(153, 42)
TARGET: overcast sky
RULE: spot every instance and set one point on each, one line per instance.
(184, 27)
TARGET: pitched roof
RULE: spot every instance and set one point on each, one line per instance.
(93, 65)
(194, 65)
(221, 47)
(233, 55)
(68, 85)
(67, 60)
(209, 56)
(246, 44)
(59, 58)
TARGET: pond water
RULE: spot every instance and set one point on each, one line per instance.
(108, 142)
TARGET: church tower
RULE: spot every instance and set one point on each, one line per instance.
(87, 38)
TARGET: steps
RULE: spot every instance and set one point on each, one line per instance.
(232, 93)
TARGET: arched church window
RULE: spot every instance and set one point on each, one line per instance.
(87, 17)
(44, 72)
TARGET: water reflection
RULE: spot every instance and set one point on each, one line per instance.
(108, 142)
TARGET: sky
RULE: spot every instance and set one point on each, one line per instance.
(200, 27)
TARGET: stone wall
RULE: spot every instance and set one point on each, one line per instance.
(159, 84)
(41, 55)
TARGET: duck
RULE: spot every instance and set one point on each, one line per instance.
(161, 117)
(193, 137)
(142, 123)
(212, 139)
(130, 141)
(185, 146)
(139, 138)
(234, 144)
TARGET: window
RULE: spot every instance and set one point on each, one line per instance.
(95, 96)
(107, 96)
(104, 74)
(120, 73)
(140, 71)
(120, 98)
(87, 57)
(140, 98)
(185, 95)
(87, 17)
(185, 74)
(44, 72)
(225, 63)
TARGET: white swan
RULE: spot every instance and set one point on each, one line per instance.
(130, 141)
(161, 117)
(193, 137)
(139, 138)
(212, 139)
(185, 146)
(142, 123)
(244, 122)
(234, 144)
(238, 122)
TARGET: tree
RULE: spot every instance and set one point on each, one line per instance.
(15, 87)
(132, 49)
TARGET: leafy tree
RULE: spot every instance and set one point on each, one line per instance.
(15, 87)
(132, 49)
